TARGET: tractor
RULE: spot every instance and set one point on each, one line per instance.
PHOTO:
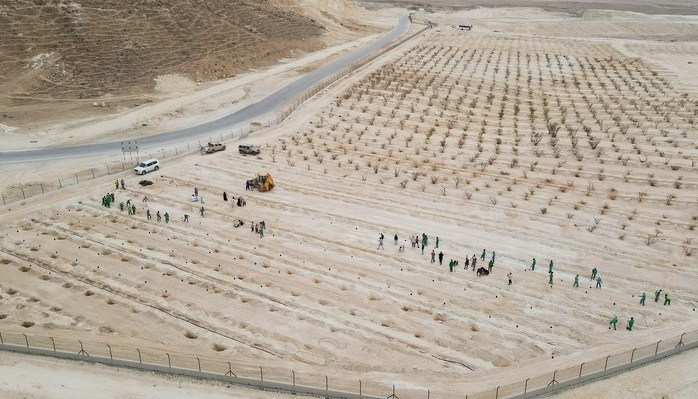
(262, 182)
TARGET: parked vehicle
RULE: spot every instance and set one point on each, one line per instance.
(248, 149)
(212, 147)
(147, 166)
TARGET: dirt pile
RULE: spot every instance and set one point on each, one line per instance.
(92, 52)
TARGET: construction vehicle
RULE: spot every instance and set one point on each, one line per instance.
(212, 147)
(262, 182)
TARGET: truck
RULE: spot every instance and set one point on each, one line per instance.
(212, 147)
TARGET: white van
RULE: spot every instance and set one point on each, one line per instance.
(147, 166)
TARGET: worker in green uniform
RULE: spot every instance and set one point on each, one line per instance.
(593, 273)
(533, 265)
(482, 257)
(642, 299)
(614, 321)
(147, 214)
(576, 281)
(157, 216)
(550, 281)
(630, 324)
(167, 217)
(667, 299)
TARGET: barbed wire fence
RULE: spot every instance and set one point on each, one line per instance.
(132, 154)
(285, 380)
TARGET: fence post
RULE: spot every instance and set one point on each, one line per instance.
(580, 370)
(230, 371)
(76, 178)
(23, 195)
(293, 378)
(199, 361)
(1, 341)
(139, 356)
(680, 341)
(606, 365)
(496, 393)
(26, 339)
(3, 199)
(554, 381)
(163, 153)
(657, 348)
(108, 171)
(359, 387)
(187, 147)
(327, 384)
(53, 343)
(169, 362)
(111, 356)
(526, 385)
(632, 355)
(93, 173)
(261, 374)
(60, 184)
(42, 187)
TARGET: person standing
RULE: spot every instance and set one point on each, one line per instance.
(441, 258)
(467, 262)
(593, 273)
(509, 277)
(494, 254)
(613, 322)
(490, 266)
(550, 280)
(576, 281)
(196, 192)
(133, 209)
(201, 211)
(667, 299)
(550, 267)
(433, 256)
(116, 185)
(473, 261)
(642, 299)
(425, 239)
(533, 265)
(167, 218)
(657, 294)
(450, 265)
(423, 245)
(630, 324)
(437, 241)
(158, 217)
(123, 184)
(380, 241)
(482, 257)
(396, 239)
(147, 214)
(225, 196)
(598, 282)
(186, 218)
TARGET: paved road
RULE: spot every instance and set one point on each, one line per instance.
(245, 115)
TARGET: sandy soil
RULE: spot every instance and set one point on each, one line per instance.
(529, 143)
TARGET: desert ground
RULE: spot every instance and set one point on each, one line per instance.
(536, 135)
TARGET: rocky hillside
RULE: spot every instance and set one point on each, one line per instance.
(84, 49)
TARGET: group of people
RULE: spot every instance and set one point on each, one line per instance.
(240, 201)
(472, 262)
(258, 228)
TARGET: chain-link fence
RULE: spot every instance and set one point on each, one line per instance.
(134, 156)
(281, 379)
